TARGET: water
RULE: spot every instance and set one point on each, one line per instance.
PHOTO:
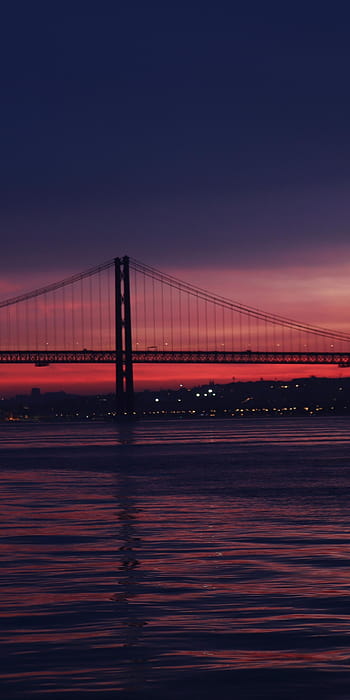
(176, 559)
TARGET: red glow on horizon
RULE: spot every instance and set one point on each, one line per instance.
(101, 379)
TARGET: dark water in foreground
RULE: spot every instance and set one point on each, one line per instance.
(176, 560)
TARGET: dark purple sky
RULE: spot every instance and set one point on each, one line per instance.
(187, 135)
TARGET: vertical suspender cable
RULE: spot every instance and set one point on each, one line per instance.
(100, 305)
(197, 311)
(8, 339)
(36, 322)
(91, 313)
(206, 325)
(162, 311)
(249, 332)
(154, 313)
(232, 331)
(215, 340)
(180, 318)
(17, 327)
(46, 340)
(109, 308)
(145, 308)
(54, 320)
(73, 317)
(189, 319)
(63, 311)
(134, 306)
(27, 323)
(171, 319)
(223, 329)
(82, 313)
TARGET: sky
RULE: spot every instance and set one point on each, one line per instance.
(210, 140)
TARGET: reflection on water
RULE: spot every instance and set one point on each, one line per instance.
(279, 431)
(129, 585)
(177, 571)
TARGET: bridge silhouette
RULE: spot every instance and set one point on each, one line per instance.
(125, 312)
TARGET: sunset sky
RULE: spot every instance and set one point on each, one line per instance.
(210, 140)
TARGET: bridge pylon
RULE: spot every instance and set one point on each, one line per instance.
(123, 339)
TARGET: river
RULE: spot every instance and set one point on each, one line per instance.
(175, 559)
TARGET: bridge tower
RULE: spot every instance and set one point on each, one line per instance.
(123, 340)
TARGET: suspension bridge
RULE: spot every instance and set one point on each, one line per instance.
(124, 312)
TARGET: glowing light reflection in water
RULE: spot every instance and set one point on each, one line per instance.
(167, 568)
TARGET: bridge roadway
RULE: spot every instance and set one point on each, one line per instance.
(42, 358)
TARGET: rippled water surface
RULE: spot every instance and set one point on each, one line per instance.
(176, 559)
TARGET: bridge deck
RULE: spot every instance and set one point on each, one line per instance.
(42, 358)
